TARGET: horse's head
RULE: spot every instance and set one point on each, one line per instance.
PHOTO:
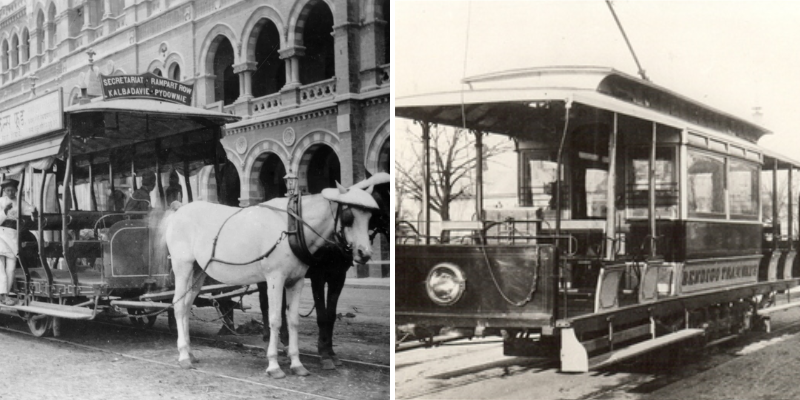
(356, 207)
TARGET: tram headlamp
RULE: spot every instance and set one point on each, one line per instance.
(445, 284)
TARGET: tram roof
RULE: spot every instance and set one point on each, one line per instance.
(599, 87)
(113, 123)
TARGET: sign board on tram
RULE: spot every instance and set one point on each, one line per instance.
(146, 86)
(41, 115)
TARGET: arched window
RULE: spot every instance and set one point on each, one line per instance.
(40, 28)
(175, 72)
(25, 52)
(226, 83)
(318, 62)
(157, 72)
(270, 74)
(14, 51)
(51, 27)
(6, 56)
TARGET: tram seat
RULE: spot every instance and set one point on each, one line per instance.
(785, 264)
(81, 220)
(79, 248)
(470, 228)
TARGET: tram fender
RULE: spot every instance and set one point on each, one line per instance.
(574, 357)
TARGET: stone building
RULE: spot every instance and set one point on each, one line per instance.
(310, 78)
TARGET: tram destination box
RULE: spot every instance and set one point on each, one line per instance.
(148, 86)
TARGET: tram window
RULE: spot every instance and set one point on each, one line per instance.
(706, 191)
(596, 192)
(638, 184)
(538, 184)
(743, 188)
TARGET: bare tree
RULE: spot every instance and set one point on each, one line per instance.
(453, 159)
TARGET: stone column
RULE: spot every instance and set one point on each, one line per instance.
(345, 44)
(245, 72)
(292, 56)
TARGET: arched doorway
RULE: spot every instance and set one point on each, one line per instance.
(270, 177)
(230, 186)
(323, 169)
(385, 157)
(318, 62)
(270, 75)
(226, 82)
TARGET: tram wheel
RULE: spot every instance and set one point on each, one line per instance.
(40, 325)
(145, 322)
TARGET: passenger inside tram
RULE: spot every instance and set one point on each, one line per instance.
(140, 199)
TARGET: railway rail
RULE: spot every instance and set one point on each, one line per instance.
(484, 365)
(155, 345)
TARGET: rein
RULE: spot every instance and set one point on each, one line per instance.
(297, 240)
(294, 231)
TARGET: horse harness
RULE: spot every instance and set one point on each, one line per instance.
(294, 232)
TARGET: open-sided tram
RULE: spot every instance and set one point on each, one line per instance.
(640, 222)
(79, 260)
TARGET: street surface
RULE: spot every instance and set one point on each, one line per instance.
(114, 360)
(755, 366)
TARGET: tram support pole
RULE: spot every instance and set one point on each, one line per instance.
(776, 231)
(479, 175)
(611, 205)
(651, 191)
(426, 172)
(790, 222)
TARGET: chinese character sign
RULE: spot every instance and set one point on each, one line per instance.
(41, 115)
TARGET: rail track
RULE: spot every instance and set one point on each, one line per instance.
(155, 345)
(479, 361)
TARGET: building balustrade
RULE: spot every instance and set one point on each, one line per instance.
(268, 104)
(317, 91)
(384, 75)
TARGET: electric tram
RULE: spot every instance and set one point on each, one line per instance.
(640, 222)
(81, 257)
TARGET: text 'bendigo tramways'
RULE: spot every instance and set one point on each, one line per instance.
(146, 85)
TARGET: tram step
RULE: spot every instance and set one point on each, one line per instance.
(169, 294)
(56, 310)
(643, 347)
(782, 307)
(139, 304)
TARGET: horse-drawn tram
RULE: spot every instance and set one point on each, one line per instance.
(82, 254)
(639, 223)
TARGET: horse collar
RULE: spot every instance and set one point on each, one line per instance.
(297, 240)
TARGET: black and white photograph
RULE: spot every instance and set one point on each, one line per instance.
(195, 199)
(596, 199)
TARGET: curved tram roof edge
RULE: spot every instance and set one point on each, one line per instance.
(582, 85)
(49, 144)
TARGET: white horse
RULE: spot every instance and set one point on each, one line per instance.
(250, 245)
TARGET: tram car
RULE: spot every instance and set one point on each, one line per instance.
(640, 222)
(80, 261)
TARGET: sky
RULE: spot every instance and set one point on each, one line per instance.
(730, 55)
